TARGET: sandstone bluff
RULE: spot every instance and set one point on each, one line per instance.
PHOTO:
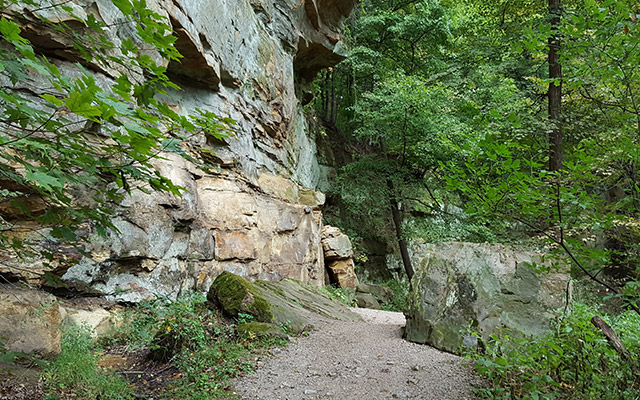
(256, 212)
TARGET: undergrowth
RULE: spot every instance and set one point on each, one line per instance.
(574, 361)
(75, 372)
(398, 302)
(340, 295)
(206, 350)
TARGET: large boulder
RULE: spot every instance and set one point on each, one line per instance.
(287, 303)
(30, 321)
(484, 287)
(338, 257)
(99, 320)
(369, 295)
(336, 245)
(367, 300)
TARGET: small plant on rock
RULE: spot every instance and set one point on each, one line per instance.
(341, 295)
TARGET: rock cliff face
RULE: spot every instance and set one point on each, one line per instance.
(257, 213)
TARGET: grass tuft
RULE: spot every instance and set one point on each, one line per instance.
(75, 372)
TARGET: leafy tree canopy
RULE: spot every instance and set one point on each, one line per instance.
(450, 102)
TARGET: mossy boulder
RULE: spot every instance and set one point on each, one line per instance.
(235, 295)
(287, 303)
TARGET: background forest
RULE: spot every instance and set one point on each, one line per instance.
(502, 121)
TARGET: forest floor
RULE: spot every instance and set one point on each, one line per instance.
(359, 361)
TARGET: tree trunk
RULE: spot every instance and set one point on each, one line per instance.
(327, 99)
(334, 106)
(397, 222)
(555, 88)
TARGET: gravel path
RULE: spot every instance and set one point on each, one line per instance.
(359, 361)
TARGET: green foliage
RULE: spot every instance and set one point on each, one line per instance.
(244, 318)
(504, 175)
(206, 372)
(71, 131)
(447, 227)
(183, 327)
(340, 295)
(572, 362)
(398, 301)
(470, 117)
(285, 327)
(207, 350)
(76, 370)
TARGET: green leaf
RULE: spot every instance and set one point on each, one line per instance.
(10, 31)
(52, 99)
(81, 104)
(46, 181)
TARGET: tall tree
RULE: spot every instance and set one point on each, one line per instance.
(555, 87)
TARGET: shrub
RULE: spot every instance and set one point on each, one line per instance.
(398, 301)
(574, 361)
(183, 327)
(207, 350)
(340, 295)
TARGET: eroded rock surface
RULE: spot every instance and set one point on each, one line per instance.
(483, 287)
(253, 210)
(338, 257)
(30, 321)
(289, 304)
(166, 245)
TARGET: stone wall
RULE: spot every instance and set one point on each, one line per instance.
(257, 215)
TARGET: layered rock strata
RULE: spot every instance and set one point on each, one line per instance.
(338, 256)
(253, 211)
(166, 245)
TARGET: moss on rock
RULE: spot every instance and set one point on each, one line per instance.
(287, 302)
(261, 329)
(235, 295)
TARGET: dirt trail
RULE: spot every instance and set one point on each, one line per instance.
(359, 361)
